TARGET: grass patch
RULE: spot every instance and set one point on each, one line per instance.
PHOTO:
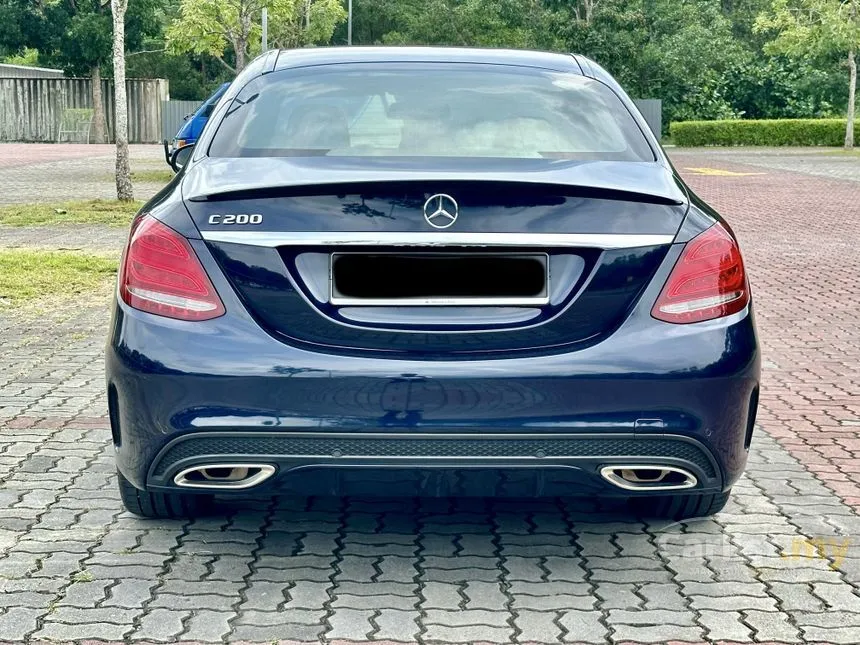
(152, 176)
(29, 275)
(95, 211)
(841, 153)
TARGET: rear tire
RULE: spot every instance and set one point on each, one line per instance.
(680, 507)
(161, 505)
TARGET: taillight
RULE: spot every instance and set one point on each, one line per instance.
(708, 280)
(162, 275)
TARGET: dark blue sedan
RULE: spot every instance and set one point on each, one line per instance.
(423, 271)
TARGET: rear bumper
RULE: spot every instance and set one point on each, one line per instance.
(436, 463)
(546, 419)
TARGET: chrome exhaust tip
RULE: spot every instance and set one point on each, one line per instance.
(648, 477)
(224, 476)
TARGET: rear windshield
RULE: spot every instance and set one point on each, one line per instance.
(421, 111)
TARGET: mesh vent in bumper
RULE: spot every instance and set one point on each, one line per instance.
(326, 447)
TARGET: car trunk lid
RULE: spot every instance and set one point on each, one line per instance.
(306, 251)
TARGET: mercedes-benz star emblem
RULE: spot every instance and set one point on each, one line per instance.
(441, 210)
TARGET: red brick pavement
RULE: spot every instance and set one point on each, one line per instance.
(23, 154)
(801, 239)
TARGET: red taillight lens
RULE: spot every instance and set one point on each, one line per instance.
(708, 280)
(162, 275)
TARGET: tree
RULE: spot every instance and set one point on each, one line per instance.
(74, 34)
(817, 27)
(123, 172)
(305, 22)
(211, 26)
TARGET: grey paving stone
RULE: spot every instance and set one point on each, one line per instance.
(734, 603)
(85, 594)
(294, 616)
(583, 627)
(468, 634)
(623, 563)
(179, 602)
(655, 634)
(407, 589)
(268, 596)
(78, 615)
(160, 625)
(848, 635)
(631, 575)
(723, 589)
(794, 597)
(830, 619)
(556, 602)
(208, 588)
(661, 596)
(650, 617)
(129, 593)
(207, 627)
(17, 622)
(618, 596)
(466, 617)
(770, 626)
(350, 601)
(537, 627)
(395, 568)
(51, 631)
(485, 595)
(397, 625)
(797, 574)
(724, 626)
(441, 595)
(350, 624)
(462, 575)
(277, 633)
(32, 599)
(837, 596)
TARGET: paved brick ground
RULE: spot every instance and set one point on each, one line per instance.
(34, 172)
(780, 564)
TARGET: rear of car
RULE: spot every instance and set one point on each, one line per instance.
(434, 272)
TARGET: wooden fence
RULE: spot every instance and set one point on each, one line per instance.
(31, 108)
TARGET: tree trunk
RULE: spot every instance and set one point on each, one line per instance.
(852, 93)
(123, 172)
(98, 133)
(239, 47)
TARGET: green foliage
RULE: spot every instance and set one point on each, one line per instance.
(523, 24)
(28, 56)
(706, 59)
(214, 26)
(192, 77)
(754, 132)
(811, 27)
(75, 35)
(779, 87)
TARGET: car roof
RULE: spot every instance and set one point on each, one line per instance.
(293, 58)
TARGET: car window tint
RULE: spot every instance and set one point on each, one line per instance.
(453, 111)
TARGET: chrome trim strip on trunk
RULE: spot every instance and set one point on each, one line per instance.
(365, 238)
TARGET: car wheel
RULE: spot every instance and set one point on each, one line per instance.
(161, 505)
(680, 507)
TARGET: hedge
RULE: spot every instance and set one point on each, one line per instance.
(770, 132)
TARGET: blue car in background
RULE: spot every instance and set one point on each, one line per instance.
(193, 126)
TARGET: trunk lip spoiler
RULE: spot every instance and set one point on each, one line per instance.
(426, 238)
(223, 178)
